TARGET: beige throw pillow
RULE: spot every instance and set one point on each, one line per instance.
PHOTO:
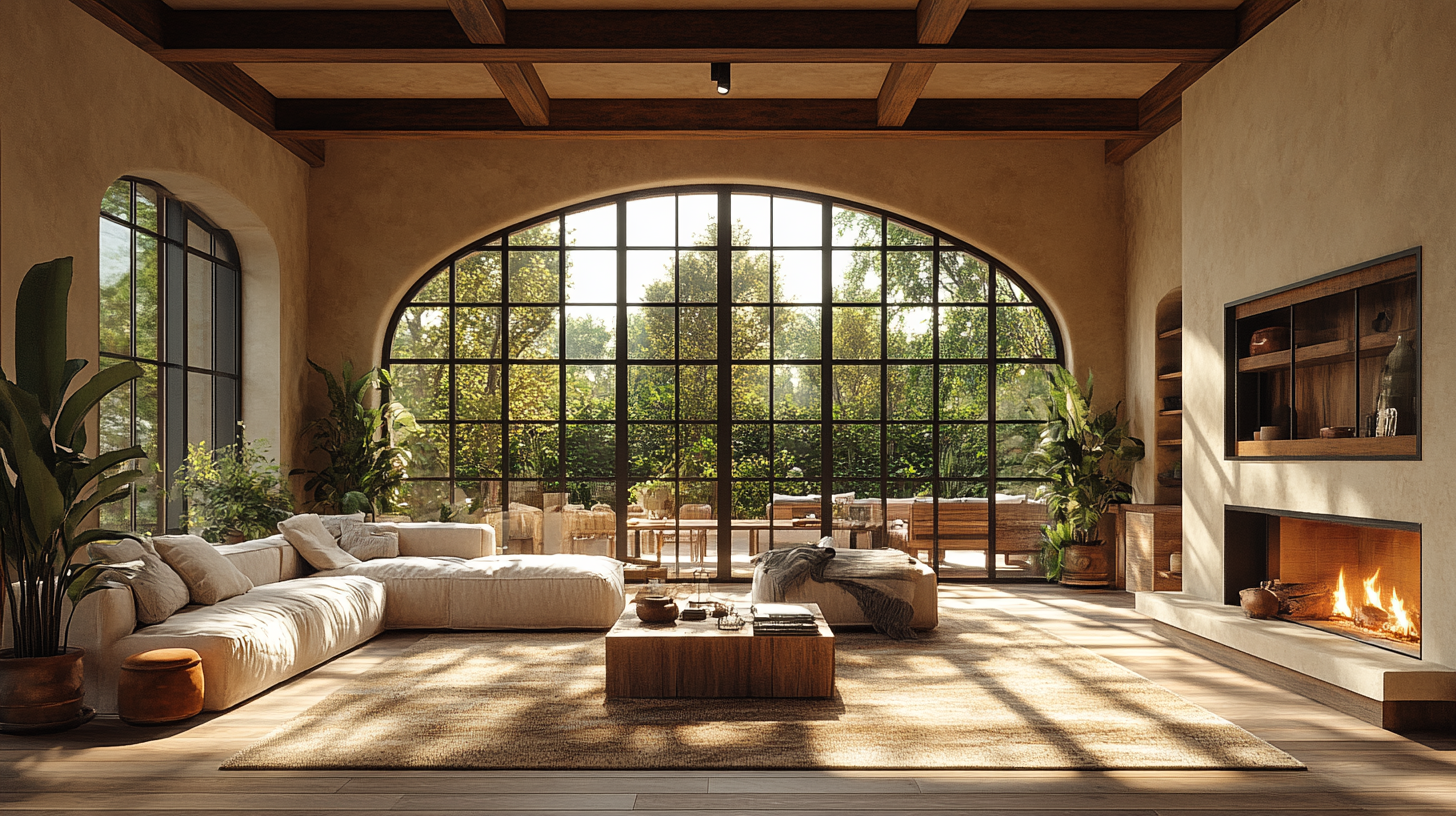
(366, 541)
(209, 576)
(156, 588)
(335, 524)
(308, 535)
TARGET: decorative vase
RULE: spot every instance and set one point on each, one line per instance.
(1259, 603)
(1264, 341)
(656, 609)
(233, 537)
(1086, 565)
(1397, 388)
(41, 695)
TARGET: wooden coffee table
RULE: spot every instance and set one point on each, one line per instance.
(697, 659)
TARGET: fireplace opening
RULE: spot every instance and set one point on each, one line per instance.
(1359, 578)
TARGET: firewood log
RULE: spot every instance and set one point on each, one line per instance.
(1305, 601)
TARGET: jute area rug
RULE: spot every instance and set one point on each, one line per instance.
(984, 691)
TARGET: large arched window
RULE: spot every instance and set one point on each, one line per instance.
(170, 301)
(630, 375)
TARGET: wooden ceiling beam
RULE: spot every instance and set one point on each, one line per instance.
(937, 20)
(699, 36)
(142, 22)
(902, 87)
(522, 88)
(483, 21)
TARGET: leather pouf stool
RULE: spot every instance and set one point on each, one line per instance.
(160, 686)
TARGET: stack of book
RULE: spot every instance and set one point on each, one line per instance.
(783, 619)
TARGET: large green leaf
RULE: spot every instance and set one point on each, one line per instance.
(105, 462)
(89, 395)
(107, 490)
(44, 503)
(40, 332)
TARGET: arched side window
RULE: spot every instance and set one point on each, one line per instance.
(820, 367)
(170, 301)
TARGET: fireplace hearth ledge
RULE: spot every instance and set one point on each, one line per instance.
(1361, 668)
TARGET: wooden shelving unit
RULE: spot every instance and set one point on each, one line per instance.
(1338, 331)
(1166, 451)
(1150, 534)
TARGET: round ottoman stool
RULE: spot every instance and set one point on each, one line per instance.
(160, 686)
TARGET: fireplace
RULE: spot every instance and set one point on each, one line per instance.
(1354, 577)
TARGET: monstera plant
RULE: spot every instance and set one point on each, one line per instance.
(49, 489)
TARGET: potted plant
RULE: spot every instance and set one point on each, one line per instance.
(234, 493)
(1084, 458)
(48, 489)
(364, 462)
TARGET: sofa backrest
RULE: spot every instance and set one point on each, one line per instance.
(265, 560)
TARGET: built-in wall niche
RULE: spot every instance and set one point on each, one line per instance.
(1328, 368)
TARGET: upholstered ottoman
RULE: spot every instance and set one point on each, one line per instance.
(841, 609)
(160, 686)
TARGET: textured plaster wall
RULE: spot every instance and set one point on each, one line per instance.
(383, 213)
(79, 107)
(1154, 187)
(1327, 140)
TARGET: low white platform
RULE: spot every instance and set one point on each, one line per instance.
(1348, 664)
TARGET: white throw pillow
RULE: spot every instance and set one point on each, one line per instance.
(367, 541)
(156, 588)
(209, 576)
(308, 535)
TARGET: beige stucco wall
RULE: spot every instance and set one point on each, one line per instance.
(1153, 181)
(383, 213)
(80, 106)
(1327, 140)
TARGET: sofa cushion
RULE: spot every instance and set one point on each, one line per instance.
(157, 589)
(260, 559)
(367, 541)
(209, 576)
(308, 535)
(430, 538)
(251, 642)
(335, 523)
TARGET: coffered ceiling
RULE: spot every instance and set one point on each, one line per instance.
(308, 71)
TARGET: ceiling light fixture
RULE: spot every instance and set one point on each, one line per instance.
(722, 73)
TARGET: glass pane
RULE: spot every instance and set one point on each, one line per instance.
(146, 207)
(857, 276)
(698, 392)
(482, 498)
(534, 392)
(797, 332)
(750, 220)
(697, 277)
(799, 276)
(591, 392)
(649, 276)
(911, 332)
(546, 233)
(477, 332)
(963, 277)
(535, 450)
(750, 332)
(963, 451)
(910, 451)
(699, 450)
(198, 237)
(650, 449)
(199, 312)
(651, 333)
(651, 392)
(797, 451)
(199, 409)
(115, 420)
(225, 319)
(1022, 331)
(534, 332)
(697, 220)
(855, 228)
(149, 413)
(750, 455)
(437, 286)
(477, 451)
(750, 500)
(797, 223)
(750, 277)
(857, 450)
(963, 332)
(897, 234)
(422, 332)
(478, 392)
(596, 227)
(856, 390)
(698, 333)
(1007, 291)
(115, 280)
(797, 392)
(591, 450)
(117, 200)
(911, 391)
(535, 276)
(1013, 443)
(963, 391)
(857, 332)
(591, 332)
(424, 390)
(591, 276)
(911, 277)
(750, 393)
(477, 278)
(423, 501)
(651, 221)
(1021, 391)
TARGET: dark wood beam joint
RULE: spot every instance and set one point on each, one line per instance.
(522, 88)
(903, 84)
(484, 21)
(937, 20)
(310, 150)
(141, 22)
(1254, 15)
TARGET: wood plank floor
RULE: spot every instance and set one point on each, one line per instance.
(1353, 767)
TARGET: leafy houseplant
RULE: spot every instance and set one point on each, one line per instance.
(365, 464)
(48, 488)
(1084, 458)
(234, 493)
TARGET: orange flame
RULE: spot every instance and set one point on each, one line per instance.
(1372, 592)
(1401, 623)
(1342, 600)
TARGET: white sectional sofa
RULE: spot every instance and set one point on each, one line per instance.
(446, 576)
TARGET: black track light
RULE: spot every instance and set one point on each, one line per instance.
(722, 73)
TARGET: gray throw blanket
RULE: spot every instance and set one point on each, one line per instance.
(880, 581)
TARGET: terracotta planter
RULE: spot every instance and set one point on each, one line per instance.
(656, 609)
(1086, 565)
(39, 695)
